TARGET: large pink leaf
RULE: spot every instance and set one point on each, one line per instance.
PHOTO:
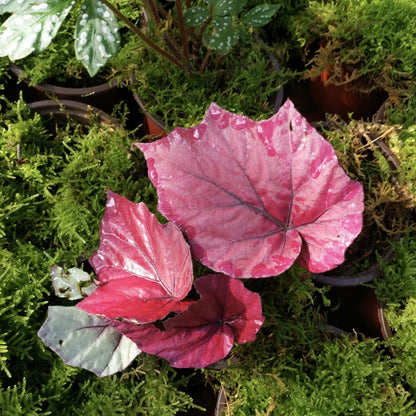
(226, 313)
(253, 197)
(144, 267)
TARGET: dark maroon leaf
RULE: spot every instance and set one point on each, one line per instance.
(144, 267)
(226, 313)
(254, 197)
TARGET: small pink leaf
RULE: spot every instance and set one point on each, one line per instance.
(144, 267)
(226, 313)
(254, 197)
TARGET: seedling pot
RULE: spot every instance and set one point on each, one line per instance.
(357, 309)
(68, 108)
(345, 98)
(103, 96)
(153, 126)
(337, 279)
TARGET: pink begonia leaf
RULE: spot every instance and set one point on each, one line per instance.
(144, 267)
(226, 313)
(254, 197)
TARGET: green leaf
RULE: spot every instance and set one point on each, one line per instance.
(223, 40)
(86, 341)
(222, 22)
(70, 284)
(195, 16)
(96, 36)
(238, 6)
(260, 15)
(11, 6)
(224, 7)
(32, 28)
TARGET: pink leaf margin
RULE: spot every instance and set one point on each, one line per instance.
(144, 267)
(254, 197)
(227, 312)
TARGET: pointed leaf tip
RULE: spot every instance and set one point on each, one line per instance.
(144, 267)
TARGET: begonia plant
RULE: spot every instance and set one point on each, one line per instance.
(218, 26)
(251, 198)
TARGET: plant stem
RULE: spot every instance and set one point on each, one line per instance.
(142, 36)
(173, 47)
(182, 30)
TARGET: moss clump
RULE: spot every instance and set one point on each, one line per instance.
(397, 289)
(297, 367)
(244, 83)
(53, 178)
(388, 199)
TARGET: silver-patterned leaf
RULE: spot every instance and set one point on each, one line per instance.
(96, 36)
(260, 15)
(12, 6)
(87, 341)
(195, 16)
(70, 284)
(32, 28)
(223, 40)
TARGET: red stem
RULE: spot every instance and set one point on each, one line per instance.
(182, 30)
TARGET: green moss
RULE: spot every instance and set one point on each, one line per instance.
(403, 322)
(398, 281)
(404, 145)
(295, 367)
(370, 41)
(53, 197)
(397, 289)
(246, 83)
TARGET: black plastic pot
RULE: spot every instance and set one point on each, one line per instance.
(68, 108)
(104, 96)
(373, 271)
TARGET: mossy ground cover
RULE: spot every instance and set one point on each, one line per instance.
(53, 179)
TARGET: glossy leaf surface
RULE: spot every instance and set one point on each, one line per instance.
(11, 6)
(144, 267)
(254, 197)
(86, 341)
(96, 35)
(32, 27)
(74, 284)
(226, 313)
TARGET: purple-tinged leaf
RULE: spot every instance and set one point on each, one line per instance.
(254, 197)
(70, 284)
(226, 313)
(144, 267)
(86, 341)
